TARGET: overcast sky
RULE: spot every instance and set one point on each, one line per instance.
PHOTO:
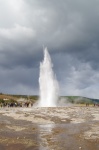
(70, 30)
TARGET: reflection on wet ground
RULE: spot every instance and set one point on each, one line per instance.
(65, 137)
(61, 129)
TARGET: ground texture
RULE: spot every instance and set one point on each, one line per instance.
(60, 128)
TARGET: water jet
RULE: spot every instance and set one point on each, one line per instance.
(48, 84)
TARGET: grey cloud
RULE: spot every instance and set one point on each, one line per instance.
(19, 77)
(70, 30)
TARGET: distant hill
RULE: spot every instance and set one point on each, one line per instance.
(95, 101)
(62, 99)
(78, 100)
(9, 97)
(6, 96)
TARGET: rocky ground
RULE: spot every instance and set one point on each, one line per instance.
(60, 128)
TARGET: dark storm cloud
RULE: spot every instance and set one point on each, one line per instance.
(70, 30)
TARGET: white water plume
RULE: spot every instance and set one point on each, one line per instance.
(48, 84)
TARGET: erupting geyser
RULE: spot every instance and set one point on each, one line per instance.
(48, 84)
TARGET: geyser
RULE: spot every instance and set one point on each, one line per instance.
(48, 84)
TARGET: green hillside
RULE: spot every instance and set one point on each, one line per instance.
(79, 100)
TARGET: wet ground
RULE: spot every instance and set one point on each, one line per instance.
(60, 128)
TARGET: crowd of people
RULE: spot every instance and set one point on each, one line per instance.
(17, 104)
(95, 104)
